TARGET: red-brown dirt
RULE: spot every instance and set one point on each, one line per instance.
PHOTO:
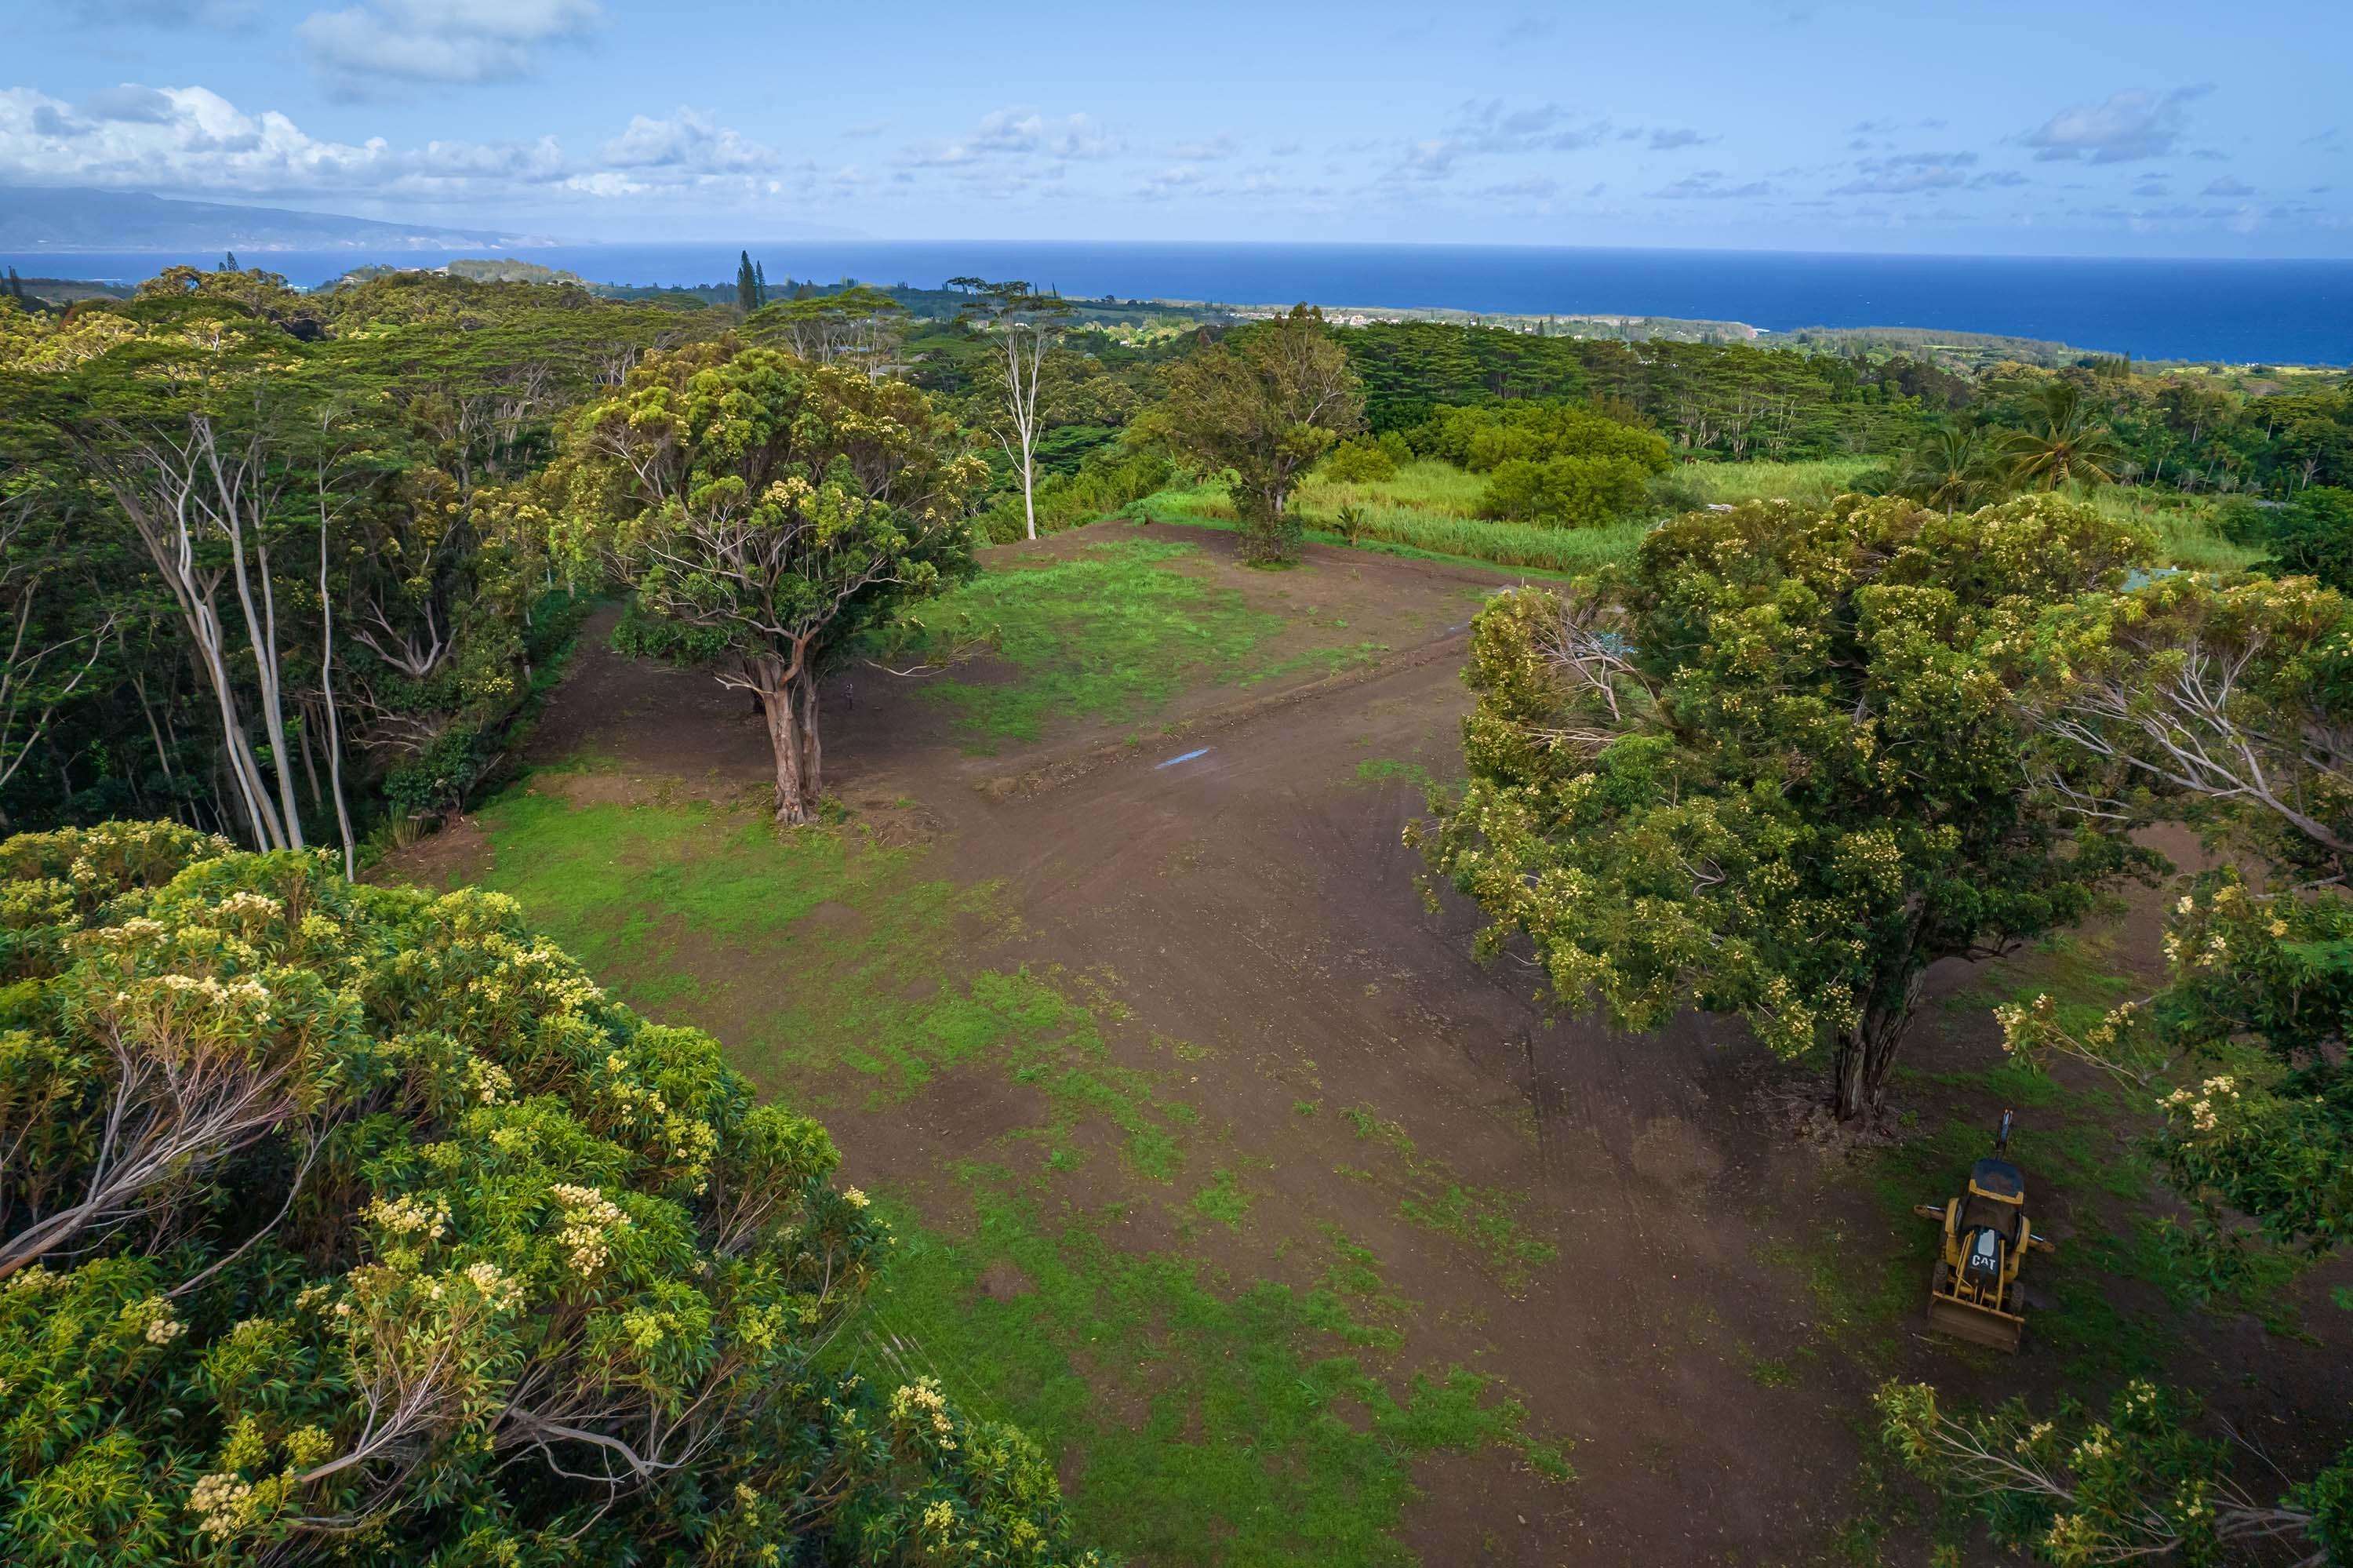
(1257, 900)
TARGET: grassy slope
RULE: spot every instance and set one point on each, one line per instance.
(1113, 634)
(1209, 1419)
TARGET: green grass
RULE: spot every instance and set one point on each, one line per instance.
(1112, 636)
(1484, 1220)
(1377, 770)
(1439, 489)
(1204, 1427)
(1432, 508)
(2082, 1141)
(1815, 481)
(1409, 531)
(2185, 526)
(1205, 1417)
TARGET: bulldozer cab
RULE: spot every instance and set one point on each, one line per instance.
(1993, 1214)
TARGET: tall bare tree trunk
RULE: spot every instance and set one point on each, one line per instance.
(1019, 434)
(1029, 493)
(327, 694)
(238, 491)
(811, 754)
(158, 488)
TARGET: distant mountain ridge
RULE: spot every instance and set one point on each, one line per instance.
(35, 218)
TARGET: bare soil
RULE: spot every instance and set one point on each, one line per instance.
(1257, 899)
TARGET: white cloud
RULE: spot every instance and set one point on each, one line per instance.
(129, 102)
(1433, 159)
(1536, 187)
(1912, 173)
(191, 141)
(2129, 126)
(1010, 134)
(1208, 149)
(364, 45)
(1179, 179)
(188, 139)
(1708, 185)
(689, 142)
(1486, 126)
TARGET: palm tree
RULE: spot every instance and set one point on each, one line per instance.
(2069, 442)
(1948, 469)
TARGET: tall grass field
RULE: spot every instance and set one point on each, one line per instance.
(1432, 508)
(1401, 527)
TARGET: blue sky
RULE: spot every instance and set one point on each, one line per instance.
(2068, 127)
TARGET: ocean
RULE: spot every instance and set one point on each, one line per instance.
(2290, 313)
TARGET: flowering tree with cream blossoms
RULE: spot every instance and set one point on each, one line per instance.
(341, 1221)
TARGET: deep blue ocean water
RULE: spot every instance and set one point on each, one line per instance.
(2286, 311)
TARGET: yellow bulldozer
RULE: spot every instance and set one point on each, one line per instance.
(1974, 1293)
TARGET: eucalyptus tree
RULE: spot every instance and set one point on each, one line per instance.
(1023, 326)
(305, 543)
(57, 624)
(189, 437)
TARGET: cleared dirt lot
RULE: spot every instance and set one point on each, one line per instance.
(1278, 1044)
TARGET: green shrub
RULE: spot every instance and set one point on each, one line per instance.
(342, 1222)
(2310, 536)
(1484, 438)
(1567, 492)
(1361, 461)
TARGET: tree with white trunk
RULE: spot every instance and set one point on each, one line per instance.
(1023, 326)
